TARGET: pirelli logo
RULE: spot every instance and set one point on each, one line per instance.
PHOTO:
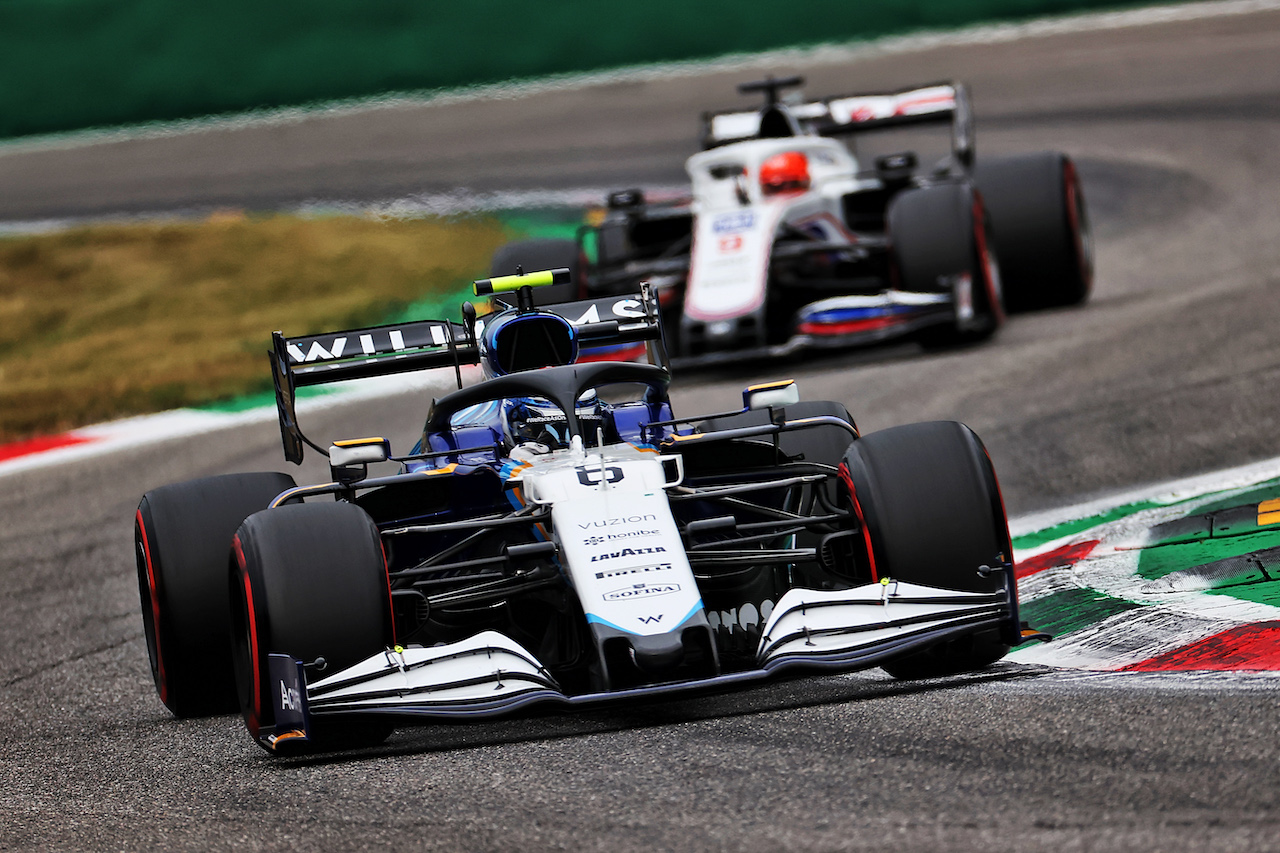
(636, 570)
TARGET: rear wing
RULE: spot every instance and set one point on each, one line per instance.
(939, 103)
(430, 344)
(359, 354)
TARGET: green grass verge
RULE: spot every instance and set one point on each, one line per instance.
(70, 64)
(114, 320)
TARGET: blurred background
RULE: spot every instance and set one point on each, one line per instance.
(71, 64)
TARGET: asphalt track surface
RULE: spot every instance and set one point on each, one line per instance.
(1170, 370)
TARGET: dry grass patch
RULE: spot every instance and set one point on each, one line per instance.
(107, 321)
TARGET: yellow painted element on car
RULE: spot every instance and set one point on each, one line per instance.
(1269, 512)
(507, 283)
(355, 442)
(884, 581)
(764, 386)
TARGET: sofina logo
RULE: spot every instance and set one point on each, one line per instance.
(641, 590)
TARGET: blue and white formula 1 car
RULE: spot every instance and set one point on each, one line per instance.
(559, 537)
(790, 241)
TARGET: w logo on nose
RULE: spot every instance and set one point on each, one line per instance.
(650, 620)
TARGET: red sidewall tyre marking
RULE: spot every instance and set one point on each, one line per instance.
(162, 678)
(1071, 192)
(255, 716)
(984, 258)
(847, 479)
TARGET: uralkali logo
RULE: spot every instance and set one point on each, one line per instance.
(642, 590)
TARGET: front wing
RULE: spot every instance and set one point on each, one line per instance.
(854, 320)
(489, 674)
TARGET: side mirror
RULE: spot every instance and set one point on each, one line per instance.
(775, 394)
(349, 459)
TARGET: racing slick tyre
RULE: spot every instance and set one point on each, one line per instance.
(310, 581)
(1040, 228)
(181, 536)
(545, 254)
(932, 512)
(940, 232)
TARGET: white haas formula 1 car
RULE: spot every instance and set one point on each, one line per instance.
(790, 242)
(559, 537)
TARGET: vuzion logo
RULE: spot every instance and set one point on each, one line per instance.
(641, 590)
(617, 522)
(627, 552)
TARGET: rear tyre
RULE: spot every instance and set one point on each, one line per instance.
(545, 254)
(309, 581)
(181, 534)
(932, 513)
(942, 231)
(1041, 229)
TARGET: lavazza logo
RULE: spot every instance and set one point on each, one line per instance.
(613, 537)
(641, 590)
(617, 522)
(627, 552)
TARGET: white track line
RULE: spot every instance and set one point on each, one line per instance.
(115, 436)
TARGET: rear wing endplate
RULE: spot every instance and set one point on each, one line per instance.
(847, 114)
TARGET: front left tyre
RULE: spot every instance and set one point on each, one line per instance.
(309, 581)
(181, 536)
